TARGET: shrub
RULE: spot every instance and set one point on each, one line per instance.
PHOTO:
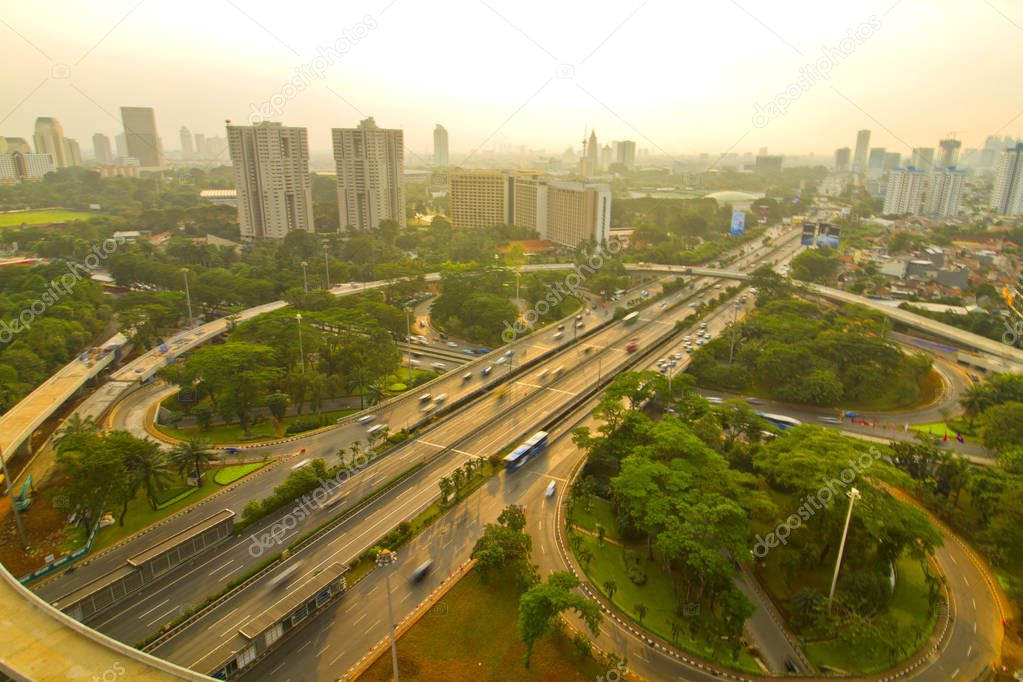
(301, 425)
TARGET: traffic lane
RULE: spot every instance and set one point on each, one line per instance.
(187, 648)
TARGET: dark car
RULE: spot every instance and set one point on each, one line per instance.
(422, 571)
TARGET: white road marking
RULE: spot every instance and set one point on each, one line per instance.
(335, 659)
(226, 616)
(162, 616)
(222, 567)
(143, 615)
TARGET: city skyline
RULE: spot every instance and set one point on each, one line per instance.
(557, 86)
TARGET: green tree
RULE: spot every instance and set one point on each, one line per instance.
(277, 403)
(192, 456)
(544, 601)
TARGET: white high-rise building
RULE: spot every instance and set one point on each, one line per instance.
(440, 145)
(922, 158)
(944, 188)
(271, 175)
(101, 148)
(121, 145)
(49, 139)
(1007, 193)
(187, 146)
(862, 149)
(905, 191)
(370, 163)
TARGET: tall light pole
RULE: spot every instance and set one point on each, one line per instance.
(188, 296)
(384, 559)
(735, 315)
(14, 508)
(518, 311)
(408, 340)
(305, 276)
(326, 263)
(853, 495)
(301, 353)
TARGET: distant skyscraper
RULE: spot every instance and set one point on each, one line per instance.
(121, 145)
(440, 146)
(271, 175)
(72, 152)
(187, 148)
(625, 154)
(923, 158)
(140, 135)
(370, 163)
(200, 144)
(101, 148)
(905, 191)
(606, 156)
(767, 163)
(862, 148)
(944, 188)
(876, 160)
(593, 152)
(1007, 193)
(892, 160)
(949, 153)
(843, 157)
(49, 139)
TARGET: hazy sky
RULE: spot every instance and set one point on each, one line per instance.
(676, 76)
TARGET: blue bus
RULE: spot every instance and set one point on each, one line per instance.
(525, 452)
(779, 420)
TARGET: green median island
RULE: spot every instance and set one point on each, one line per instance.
(471, 634)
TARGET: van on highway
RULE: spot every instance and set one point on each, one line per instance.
(376, 428)
(439, 365)
(285, 575)
(425, 398)
(440, 398)
(366, 418)
(421, 571)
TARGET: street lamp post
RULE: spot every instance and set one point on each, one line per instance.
(14, 508)
(735, 316)
(326, 263)
(518, 311)
(408, 340)
(853, 495)
(386, 558)
(301, 353)
(305, 276)
(188, 296)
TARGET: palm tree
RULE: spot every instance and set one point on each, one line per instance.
(151, 468)
(445, 488)
(74, 431)
(975, 400)
(640, 612)
(191, 456)
(610, 586)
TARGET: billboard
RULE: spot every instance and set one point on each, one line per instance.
(809, 234)
(738, 223)
(827, 235)
(762, 211)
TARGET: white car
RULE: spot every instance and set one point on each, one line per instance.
(501, 360)
(366, 418)
(551, 487)
(452, 344)
(677, 356)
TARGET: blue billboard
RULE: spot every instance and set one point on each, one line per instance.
(809, 234)
(738, 223)
(827, 235)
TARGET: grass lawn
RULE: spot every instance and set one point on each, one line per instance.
(471, 634)
(230, 474)
(939, 429)
(908, 606)
(658, 596)
(36, 217)
(600, 511)
(226, 434)
(141, 515)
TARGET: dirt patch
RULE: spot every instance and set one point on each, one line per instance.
(45, 524)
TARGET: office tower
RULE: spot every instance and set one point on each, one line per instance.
(892, 160)
(215, 147)
(605, 156)
(862, 147)
(1007, 193)
(843, 157)
(187, 150)
(529, 200)
(577, 212)
(101, 148)
(271, 175)
(767, 163)
(440, 146)
(49, 139)
(200, 145)
(923, 158)
(625, 153)
(140, 136)
(876, 160)
(479, 198)
(944, 188)
(18, 144)
(949, 155)
(593, 152)
(905, 191)
(121, 145)
(72, 152)
(370, 164)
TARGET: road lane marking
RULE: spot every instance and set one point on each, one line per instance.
(279, 666)
(308, 642)
(358, 620)
(162, 616)
(143, 615)
(335, 659)
(226, 616)
(222, 567)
